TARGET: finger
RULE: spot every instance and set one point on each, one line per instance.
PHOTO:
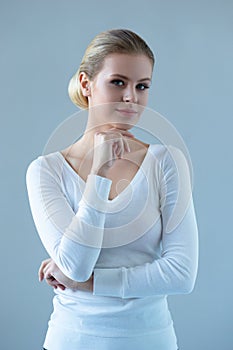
(40, 274)
(127, 133)
(48, 276)
(41, 269)
(47, 271)
(51, 281)
(117, 150)
(126, 146)
(61, 286)
(114, 154)
(122, 131)
(122, 147)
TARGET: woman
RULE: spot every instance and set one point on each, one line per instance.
(102, 208)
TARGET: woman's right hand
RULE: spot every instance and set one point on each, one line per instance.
(55, 278)
(46, 271)
(109, 146)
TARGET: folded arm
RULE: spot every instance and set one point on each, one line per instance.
(73, 240)
(175, 272)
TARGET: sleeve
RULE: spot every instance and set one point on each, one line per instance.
(73, 240)
(176, 270)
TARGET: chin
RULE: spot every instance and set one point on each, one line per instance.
(122, 126)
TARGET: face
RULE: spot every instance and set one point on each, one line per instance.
(121, 88)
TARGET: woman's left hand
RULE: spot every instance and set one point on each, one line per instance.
(54, 277)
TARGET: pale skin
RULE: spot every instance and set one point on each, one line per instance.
(116, 97)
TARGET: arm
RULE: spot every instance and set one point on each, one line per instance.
(55, 278)
(175, 272)
(73, 240)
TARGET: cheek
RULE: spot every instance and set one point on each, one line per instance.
(143, 99)
(104, 93)
(110, 95)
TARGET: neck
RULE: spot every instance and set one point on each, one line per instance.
(87, 140)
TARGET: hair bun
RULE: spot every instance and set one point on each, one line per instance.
(75, 92)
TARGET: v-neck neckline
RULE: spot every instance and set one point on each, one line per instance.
(125, 190)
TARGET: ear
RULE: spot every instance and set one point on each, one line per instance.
(85, 84)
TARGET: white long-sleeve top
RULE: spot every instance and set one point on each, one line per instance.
(142, 246)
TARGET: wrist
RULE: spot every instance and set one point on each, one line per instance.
(86, 286)
(99, 172)
(74, 285)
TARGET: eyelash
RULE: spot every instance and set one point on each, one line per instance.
(116, 81)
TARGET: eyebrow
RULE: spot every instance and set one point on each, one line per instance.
(124, 77)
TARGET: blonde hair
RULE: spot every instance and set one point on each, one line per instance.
(105, 43)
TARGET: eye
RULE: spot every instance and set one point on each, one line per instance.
(142, 86)
(117, 82)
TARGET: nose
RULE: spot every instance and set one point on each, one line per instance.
(130, 96)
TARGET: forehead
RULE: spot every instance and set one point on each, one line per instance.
(133, 66)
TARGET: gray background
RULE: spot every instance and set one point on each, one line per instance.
(41, 45)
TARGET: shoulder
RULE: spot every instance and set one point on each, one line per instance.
(169, 157)
(163, 152)
(45, 164)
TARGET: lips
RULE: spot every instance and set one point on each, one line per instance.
(128, 111)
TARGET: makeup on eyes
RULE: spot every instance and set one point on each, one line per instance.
(119, 82)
